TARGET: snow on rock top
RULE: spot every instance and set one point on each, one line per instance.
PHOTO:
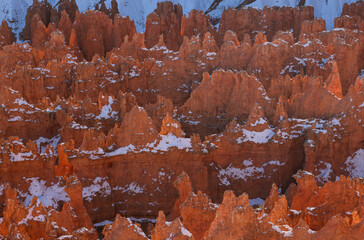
(238, 173)
(165, 143)
(100, 186)
(106, 110)
(48, 195)
(355, 164)
(256, 137)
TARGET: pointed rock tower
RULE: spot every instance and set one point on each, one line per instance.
(280, 113)
(256, 121)
(333, 83)
(172, 126)
(137, 128)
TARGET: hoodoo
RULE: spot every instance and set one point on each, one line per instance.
(191, 120)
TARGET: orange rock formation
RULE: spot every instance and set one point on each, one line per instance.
(186, 121)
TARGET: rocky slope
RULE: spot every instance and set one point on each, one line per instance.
(334, 211)
(101, 123)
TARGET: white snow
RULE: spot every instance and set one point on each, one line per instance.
(302, 124)
(248, 162)
(335, 121)
(78, 126)
(248, 170)
(174, 125)
(260, 121)
(171, 140)
(355, 164)
(48, 195)
(185, 232)
(256, 201)
(21, 101)
(106, 110)
(311, 231)
(273, 162)
(136, 228)
(103, 223)
(209, 54)
(310, 143)
(295, 211)
(93, 154)
(100, 186)
(325, 173)
(43, 143)
(19, 157)
(237, 173)
(15, 119)
(2, 187)
(131, 188)
(361, 75)
(38, 218)
(121, 151)
(165, 143)
(134, 72)
(256, 137)
(286, 233)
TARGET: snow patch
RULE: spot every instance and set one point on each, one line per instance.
(103, 223)
(238, 173)
(256, 137)
(286, 233)
(326, 172)
(170, 140)
(15, 119)
(260, 121)
(19, 157)
(136, 228)
(131, 188)
(43, 143)
(106, 111)
(38, 218)
(256, 201)
(48, 195)
(165, 143)
(99, 186)
(355, 164)
(273, 162)
(185, 232)
(78, 126)
(121, 151)
(2, 187)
